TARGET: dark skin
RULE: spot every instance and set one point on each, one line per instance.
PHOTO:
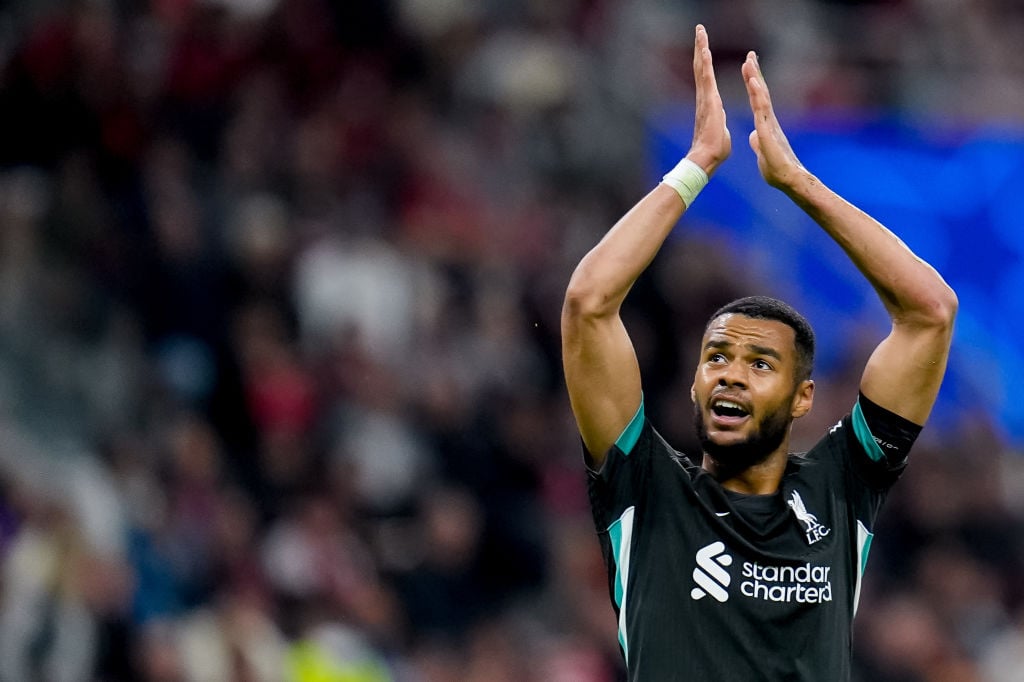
(902, 375)
(745, 380)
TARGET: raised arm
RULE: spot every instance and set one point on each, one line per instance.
(601, 369)
(904, 372)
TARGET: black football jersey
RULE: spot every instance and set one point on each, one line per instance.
(711, 585)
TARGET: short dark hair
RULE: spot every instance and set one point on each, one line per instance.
(768, 308)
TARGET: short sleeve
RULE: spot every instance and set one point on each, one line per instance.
(883, 443)
(621, 482)
(866, 475)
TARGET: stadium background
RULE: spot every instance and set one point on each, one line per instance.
(280, 396)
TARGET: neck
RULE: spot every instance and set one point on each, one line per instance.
(762, 478)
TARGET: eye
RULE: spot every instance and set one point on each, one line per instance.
(762, 364)
(716, 358)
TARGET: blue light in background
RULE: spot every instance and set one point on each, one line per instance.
(953, 195)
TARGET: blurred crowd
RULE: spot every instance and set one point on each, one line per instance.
(280, 280)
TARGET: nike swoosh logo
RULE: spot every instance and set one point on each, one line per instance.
(722, 513)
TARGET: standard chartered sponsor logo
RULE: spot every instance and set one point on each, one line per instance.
(710, 574)
(805, 584)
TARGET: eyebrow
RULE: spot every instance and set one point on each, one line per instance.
(759, 350)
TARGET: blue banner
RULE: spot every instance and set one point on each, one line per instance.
(952, 194)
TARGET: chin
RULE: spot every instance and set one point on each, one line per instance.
(738, 456)
(725, 441)
(739, 450)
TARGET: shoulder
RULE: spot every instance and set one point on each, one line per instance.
(641, 465)
(637, 444)
(853, 445)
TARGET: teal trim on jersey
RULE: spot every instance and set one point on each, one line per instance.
(631, 434)
(864, 551)
(621, 535)
(864, 538)
(863, 433)
(615, 534)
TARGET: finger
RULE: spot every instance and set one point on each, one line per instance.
(709, 70)
(701, 56)
(751, 72)
(700, 43)
(757, 91)
(703, 66)
(757, 94)
(752, 69)
(700, 40)
(756, 63)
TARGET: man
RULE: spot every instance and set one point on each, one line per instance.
(747, 564)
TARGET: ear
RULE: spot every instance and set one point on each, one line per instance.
(693, 394)
(803, 398)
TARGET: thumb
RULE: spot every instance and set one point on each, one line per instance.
(755, 143)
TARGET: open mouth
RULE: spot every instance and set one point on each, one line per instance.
(728, 410)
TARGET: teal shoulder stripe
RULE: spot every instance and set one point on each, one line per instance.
(863, 433)
(627, 440)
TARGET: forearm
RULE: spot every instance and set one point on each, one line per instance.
(911, 290)
(602, 373)
(606, 274)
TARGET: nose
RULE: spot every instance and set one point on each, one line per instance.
(733, 375)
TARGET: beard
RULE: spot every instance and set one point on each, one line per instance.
(765, 440)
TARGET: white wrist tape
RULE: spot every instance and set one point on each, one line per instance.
(687, 179)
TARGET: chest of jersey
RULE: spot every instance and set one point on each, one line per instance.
(708, 586)
(767, 583)
(795, 556)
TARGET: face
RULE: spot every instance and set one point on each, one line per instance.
(744, 391)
